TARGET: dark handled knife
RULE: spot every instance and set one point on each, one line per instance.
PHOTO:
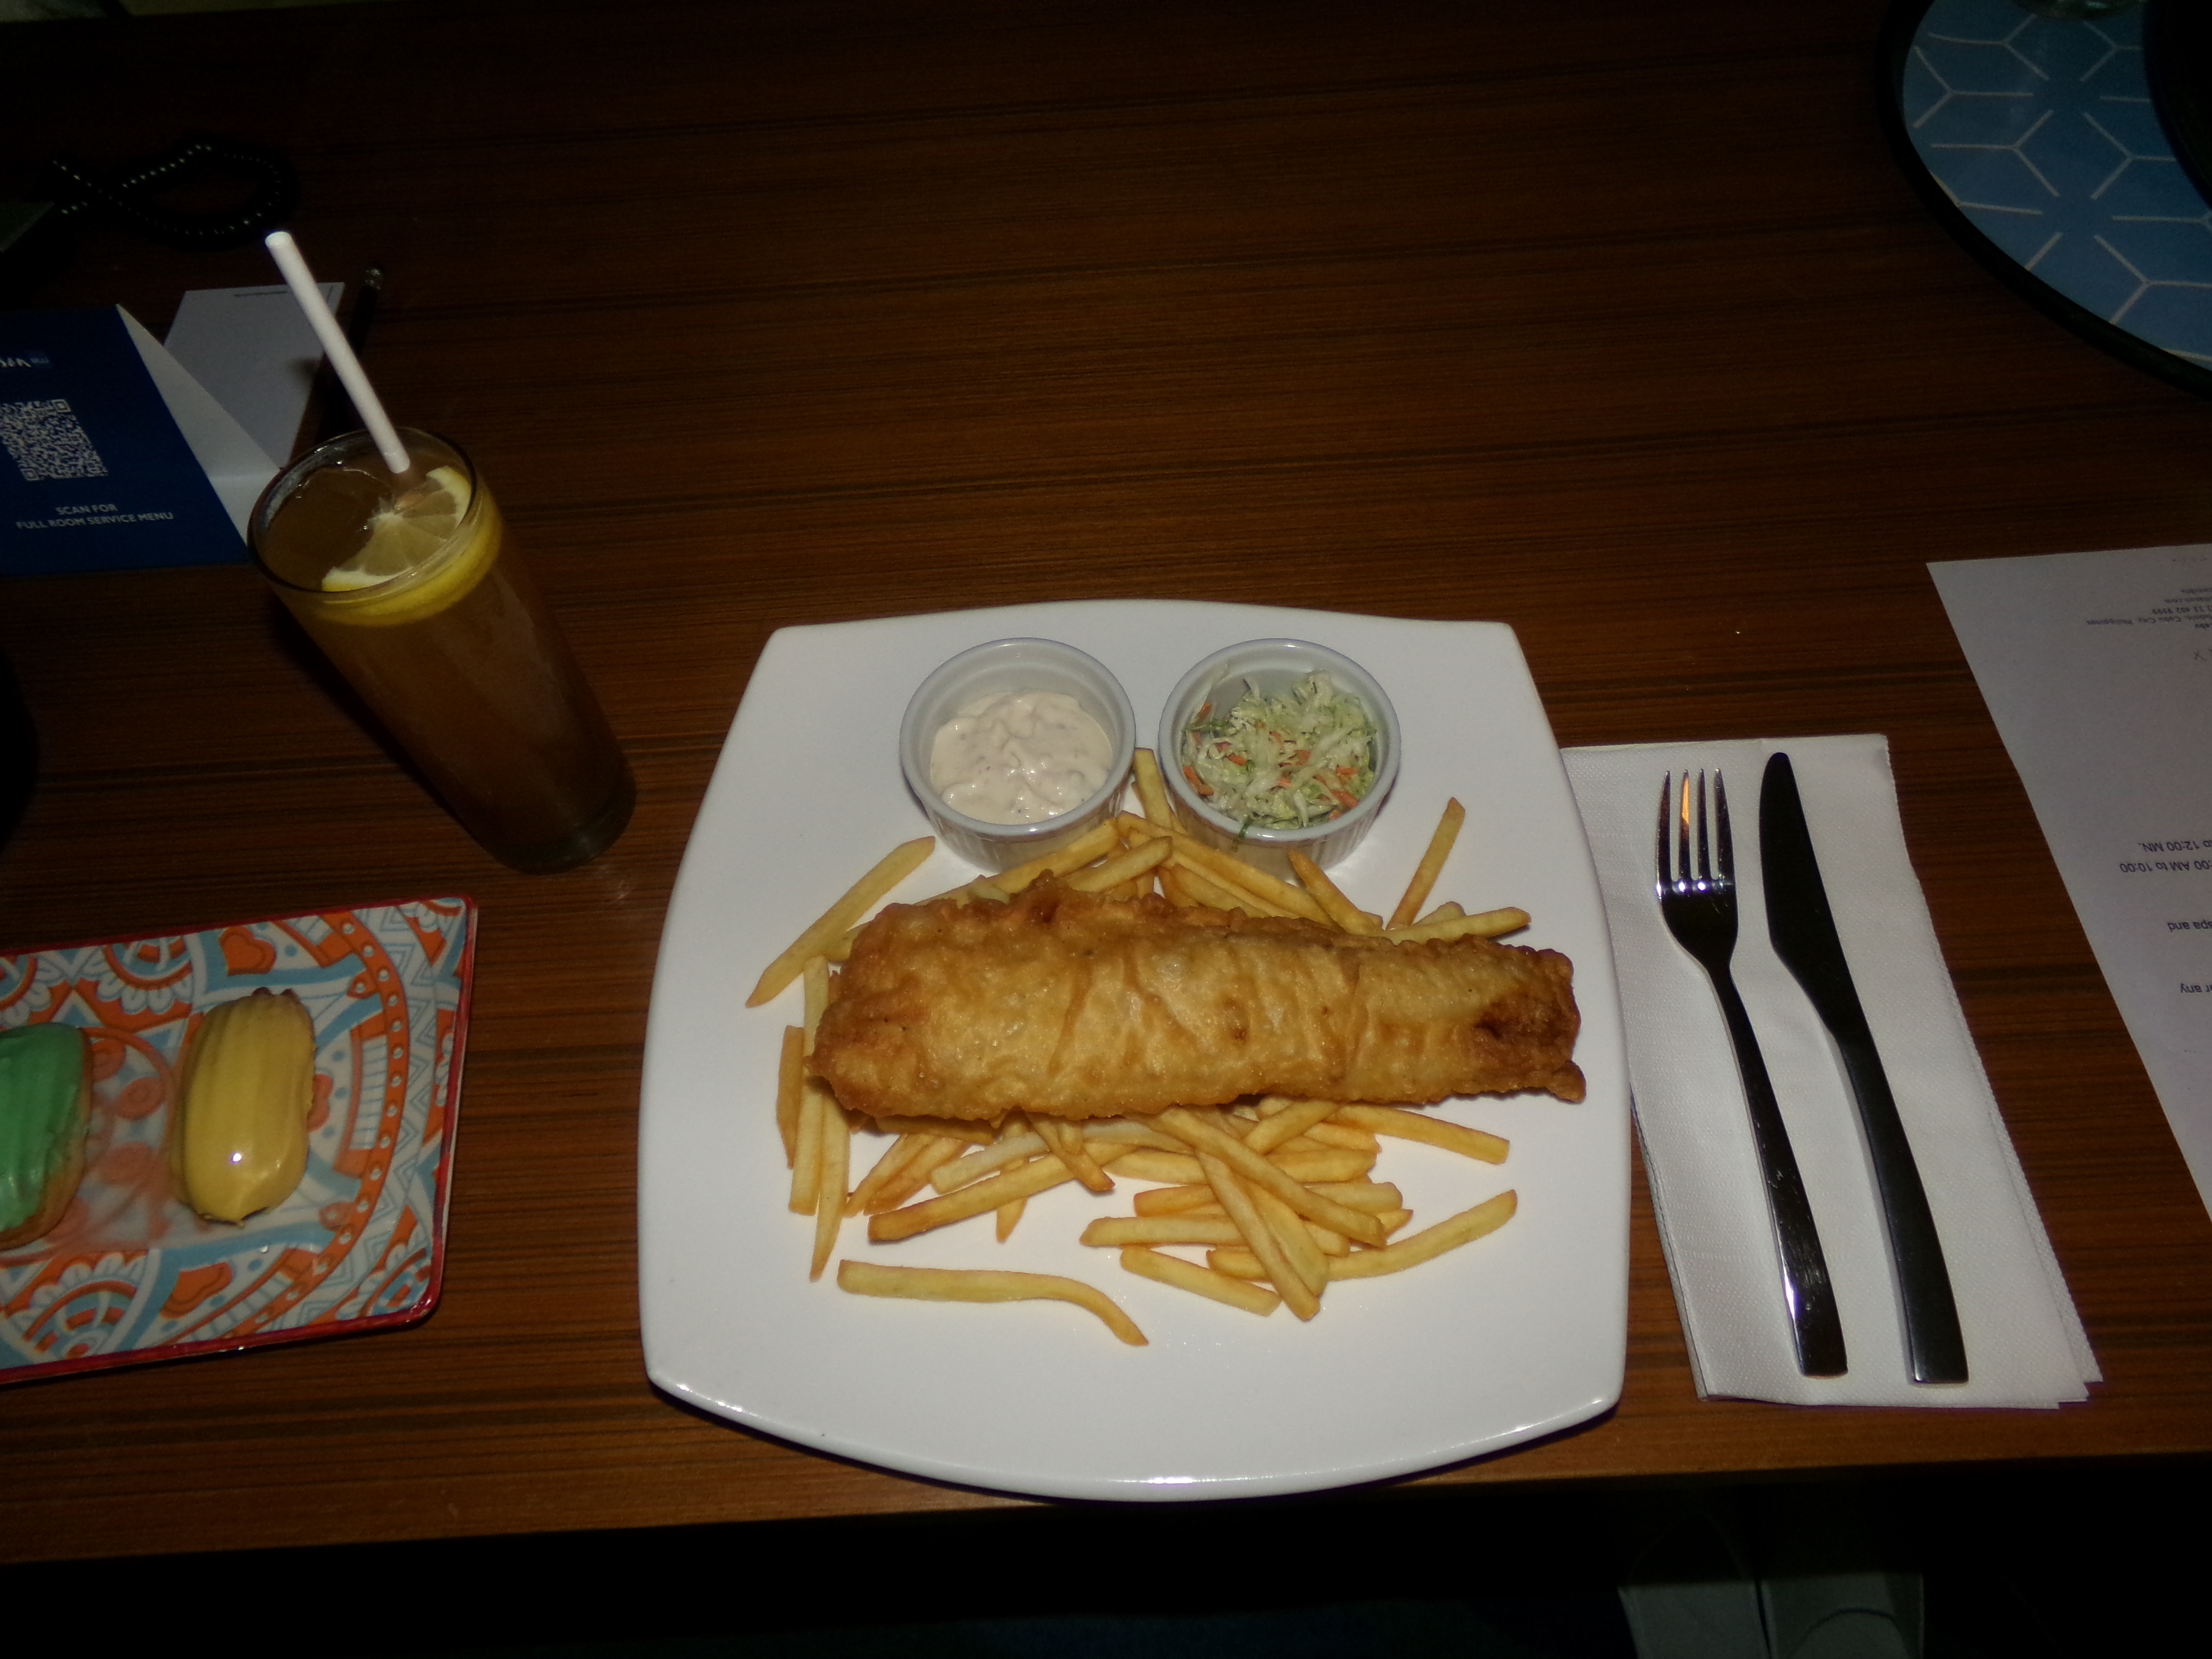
(1803, 930)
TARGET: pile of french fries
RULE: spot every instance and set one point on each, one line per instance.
(1278, 1193)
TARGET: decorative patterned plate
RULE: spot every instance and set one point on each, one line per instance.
(131, 1275)
(2037, 141)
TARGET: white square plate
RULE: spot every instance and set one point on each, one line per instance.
(1517, 1335)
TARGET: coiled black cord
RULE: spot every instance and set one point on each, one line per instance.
(129, 198)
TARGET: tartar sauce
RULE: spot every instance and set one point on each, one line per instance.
(1019, 757)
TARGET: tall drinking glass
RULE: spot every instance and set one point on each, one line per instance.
(412, 590)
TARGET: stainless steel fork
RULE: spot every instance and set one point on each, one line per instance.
(1699, 903)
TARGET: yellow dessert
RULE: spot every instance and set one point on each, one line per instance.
(241, 1144)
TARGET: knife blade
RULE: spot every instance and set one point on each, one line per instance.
(1803, 929)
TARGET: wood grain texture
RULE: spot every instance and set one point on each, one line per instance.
(1614, 322)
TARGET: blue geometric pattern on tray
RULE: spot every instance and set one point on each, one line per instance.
(2043, 134)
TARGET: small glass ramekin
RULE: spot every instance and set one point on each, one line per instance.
(1016, 666)
(1274, 665)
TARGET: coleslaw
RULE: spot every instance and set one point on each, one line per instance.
(1282, 763)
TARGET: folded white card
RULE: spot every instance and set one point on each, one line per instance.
(2025, 1345)
(255, 352)
(237, 467)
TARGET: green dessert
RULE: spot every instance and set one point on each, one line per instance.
(46, 1095)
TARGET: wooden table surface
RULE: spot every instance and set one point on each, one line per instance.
(1615, 322)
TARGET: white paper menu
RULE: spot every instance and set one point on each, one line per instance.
(2098, 670)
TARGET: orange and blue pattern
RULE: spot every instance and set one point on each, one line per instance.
(130, 1274)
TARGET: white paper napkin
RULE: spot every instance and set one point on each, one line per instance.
(2025, 1345)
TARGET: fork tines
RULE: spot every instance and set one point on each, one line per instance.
(1682, 877)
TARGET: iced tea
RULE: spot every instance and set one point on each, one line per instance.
(411, 589)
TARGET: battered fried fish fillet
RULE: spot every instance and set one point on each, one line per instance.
(1076, 1006)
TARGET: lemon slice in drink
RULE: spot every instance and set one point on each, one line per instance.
(406, 533)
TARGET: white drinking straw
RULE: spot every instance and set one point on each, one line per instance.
(286, 252)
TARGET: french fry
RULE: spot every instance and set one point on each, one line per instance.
(1201, 1281)
(1375, 1197)
(1328, 1243)
(1207, 1138)
(1217, 897)
(814, 982)
(1172, 1169)
(901, 1151)
(1015, 1127)
(1342, 1137)
(1435, 1131)
(1197, 1200)
(1432, 864)
(1093, 843)
(790, 1077)
(1234, 1263)
(1462, 1229)
(1318, 1168)
(1426, 1245)
(1289, 1228)
(1487, 924)
(1011, 1148)
(1392, 1219)
(829, 1199)
(1444, 912)
(1027, 1181)
(940, 1151)
(1300, 1157)
(1165, 875)
(1129, 891)
(960, 1129)
(814, 1100)
(1175, 886)
(1138, 832)
(894, 867)
(1160, 811)
(1341, 910)
(1112, 1231)
(1258, 1238)
(1123, 867)
(1239, 877)
(1152, 791)
(1285, 1120)
(1066, 1140)
(1135, 1132)
(984, 1284)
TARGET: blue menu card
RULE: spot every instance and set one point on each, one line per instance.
(111, 457)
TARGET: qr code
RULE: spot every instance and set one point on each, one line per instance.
(45, 441)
